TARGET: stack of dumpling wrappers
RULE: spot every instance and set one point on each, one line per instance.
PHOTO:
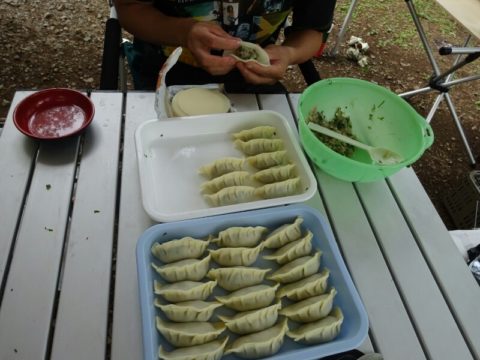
(259, 305)
(272, 174)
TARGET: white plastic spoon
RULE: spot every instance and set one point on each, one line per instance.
(379, 155)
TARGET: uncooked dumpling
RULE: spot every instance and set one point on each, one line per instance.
(179, 249)
(249, 298)
(310, 309)
(240, 236)
(191, 333)
(237, 277)
(287, 187)
(209, 351)
(221, 166)
(257, 146)
(248, 322)
(297, 269)
(184, 290)
(199, 101)
(269, 159)
(292, 250)
(238, 256)
(258, 132)
(260, 344)
(275, 174)
(231, 195)
(189, 269)
(188, 311)
(284, 234)
(313, 285)
(233, 178)
(319, 331)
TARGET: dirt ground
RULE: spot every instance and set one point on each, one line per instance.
(59, 44)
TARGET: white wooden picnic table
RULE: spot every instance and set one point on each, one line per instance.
(71, 214)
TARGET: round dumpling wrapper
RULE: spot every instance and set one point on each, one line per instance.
(199, 101)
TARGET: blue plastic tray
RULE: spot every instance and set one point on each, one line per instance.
(355, 326)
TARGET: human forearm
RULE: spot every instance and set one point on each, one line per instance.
(302, 45)
(151, 25)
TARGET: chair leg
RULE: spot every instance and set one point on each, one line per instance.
(111, 55)
(439, 80)
(309, 72)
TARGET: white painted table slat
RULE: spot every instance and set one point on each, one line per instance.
(127, 327)
(433, 322)
(14, 179)
(88, 256)
(82, 215)
(453, 277)
(31, 288)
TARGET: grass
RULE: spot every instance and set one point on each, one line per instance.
(398, 23)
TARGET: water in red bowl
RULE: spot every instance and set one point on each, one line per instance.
(53, 114)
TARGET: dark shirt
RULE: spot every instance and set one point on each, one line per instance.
(258, 21)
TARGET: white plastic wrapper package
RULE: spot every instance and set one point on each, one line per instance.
(164, 94)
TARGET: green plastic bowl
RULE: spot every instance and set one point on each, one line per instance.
(379, 118)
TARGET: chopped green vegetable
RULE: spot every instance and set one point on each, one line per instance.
(340, 123)
(48, 186)
(246, 53)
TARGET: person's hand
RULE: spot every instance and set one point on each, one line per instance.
(205, 36)
(257, 74)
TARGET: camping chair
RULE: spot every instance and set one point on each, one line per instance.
(467, 13)
(113, 58)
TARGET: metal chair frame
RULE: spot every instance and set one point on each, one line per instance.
(440, 81)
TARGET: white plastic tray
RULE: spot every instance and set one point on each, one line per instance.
(170, 152)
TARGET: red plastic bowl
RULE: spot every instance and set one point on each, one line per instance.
(53, 114)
